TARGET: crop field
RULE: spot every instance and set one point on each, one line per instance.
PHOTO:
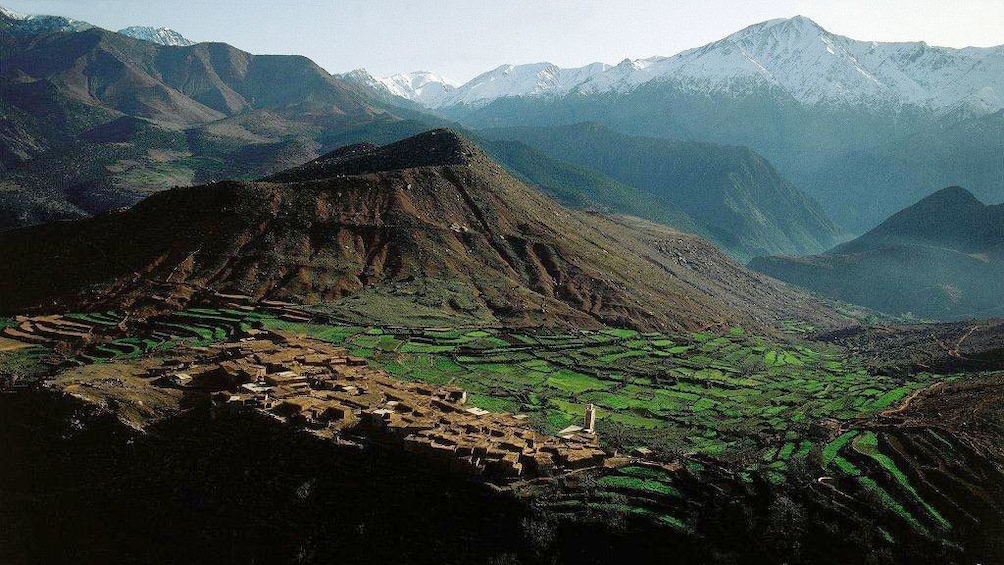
(727, 397)
(634, 490)
(861, 456)
(24, 364)
(765, 409)
(196, 327)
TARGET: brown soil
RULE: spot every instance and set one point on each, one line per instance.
(455, 234)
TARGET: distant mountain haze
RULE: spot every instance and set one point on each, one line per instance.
(741, 201)
(96, 120)
(941, 258)
(880, 180)
(863, 127)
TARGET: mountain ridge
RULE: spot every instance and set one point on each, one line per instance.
(160, 35)
(388, 232)
(952, 217)
(845, 71)
(435, 148)
(942, 257)
(97, 119)
(741, 201)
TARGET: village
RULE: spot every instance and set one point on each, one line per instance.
(335, 395)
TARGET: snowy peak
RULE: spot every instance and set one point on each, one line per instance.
(537, 79)
(815, 66)
(361, 76)
(795, 55)
(420, 86)
(11, 14)
(797, 26)
(160, 35)
(792, 57)
(30, 23)
(423, 87)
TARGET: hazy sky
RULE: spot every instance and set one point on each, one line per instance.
(462, 38)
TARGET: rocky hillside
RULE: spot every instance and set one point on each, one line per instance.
(421, 230)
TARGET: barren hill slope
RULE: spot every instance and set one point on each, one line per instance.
(420, 230)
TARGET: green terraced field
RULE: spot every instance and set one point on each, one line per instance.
(721, 396)
(868, 444)
(731, 398)
(195, 327)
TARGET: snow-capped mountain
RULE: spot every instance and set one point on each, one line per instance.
(521, 80)
(815, 66)
(423, 87)
(30, 23)
(420, 86)
(161, 35)
(795, 56)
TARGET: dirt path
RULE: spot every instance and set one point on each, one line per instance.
(958, 344)
(906, 402)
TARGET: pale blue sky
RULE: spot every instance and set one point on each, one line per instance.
(461, 38)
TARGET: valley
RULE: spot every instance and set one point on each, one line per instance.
(714, 307)
(937, 259)
(673, 411)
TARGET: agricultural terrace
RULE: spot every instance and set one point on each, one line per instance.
(732, 398)
(764, 409)
(193, 328)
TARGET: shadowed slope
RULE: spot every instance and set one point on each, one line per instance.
(745, 205)
(943, 257)
(419, 230)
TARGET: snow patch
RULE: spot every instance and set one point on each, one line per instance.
(796, 55)
(160, 35)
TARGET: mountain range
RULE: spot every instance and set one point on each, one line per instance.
(941, 258)
(17, 22)
(423, 230)
(795, 56)
(814, 103)
(100, 120)
(94, 119)
(798, 159)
